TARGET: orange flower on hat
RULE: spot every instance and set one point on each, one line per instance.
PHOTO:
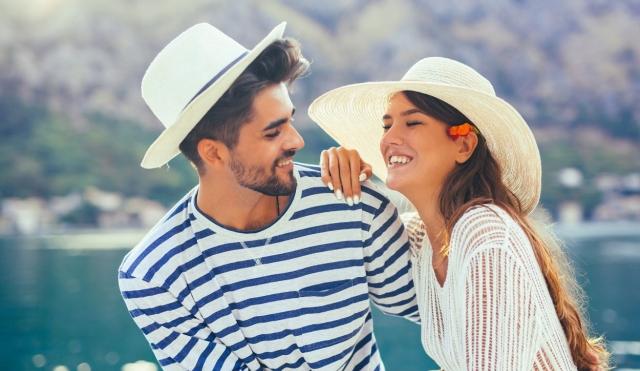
(461, 130)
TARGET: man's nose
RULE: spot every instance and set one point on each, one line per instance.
(294, 140)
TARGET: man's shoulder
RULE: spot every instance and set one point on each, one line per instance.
(308, 170)
(171, 231)
(372, 196)
(310, 175)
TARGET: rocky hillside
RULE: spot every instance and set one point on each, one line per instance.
(574, 62)
(75, 66)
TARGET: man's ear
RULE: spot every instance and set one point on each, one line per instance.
(466, 146)
(213, 152)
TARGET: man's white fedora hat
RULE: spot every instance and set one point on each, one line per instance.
(352, 115)
(188, 77)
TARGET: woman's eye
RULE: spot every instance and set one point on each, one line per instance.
(413, 123)
(386, 127)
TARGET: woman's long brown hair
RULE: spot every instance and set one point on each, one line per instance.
(478, 181)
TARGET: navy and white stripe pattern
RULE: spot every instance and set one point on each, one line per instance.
(203, 303)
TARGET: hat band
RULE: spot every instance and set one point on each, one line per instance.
(216, 77)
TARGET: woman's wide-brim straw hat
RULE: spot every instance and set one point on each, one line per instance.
(352, 115)
(188, 77)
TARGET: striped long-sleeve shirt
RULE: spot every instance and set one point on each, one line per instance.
(294, 295)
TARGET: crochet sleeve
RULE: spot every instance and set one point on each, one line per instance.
(501, 327)
(415, 230)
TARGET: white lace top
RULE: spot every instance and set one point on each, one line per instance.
(494, 311)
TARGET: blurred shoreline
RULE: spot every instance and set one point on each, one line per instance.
(83, 239)
(589, 230)
(105, 238)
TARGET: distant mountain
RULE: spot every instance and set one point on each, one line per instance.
(562, 63)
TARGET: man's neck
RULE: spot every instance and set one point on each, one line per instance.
(237, 207)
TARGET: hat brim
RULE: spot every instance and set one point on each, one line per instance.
(352, 116)
(166, 146)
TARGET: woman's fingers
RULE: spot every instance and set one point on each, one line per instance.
(334, 171)
(365, 171)
(345, 173)
(342, 170)
(355, 165)
(325, 175)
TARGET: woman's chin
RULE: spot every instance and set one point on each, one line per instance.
(396, 183)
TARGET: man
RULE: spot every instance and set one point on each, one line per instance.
(259, 266)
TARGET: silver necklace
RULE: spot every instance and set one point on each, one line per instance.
(256, 259)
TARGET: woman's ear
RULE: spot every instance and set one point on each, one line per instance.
(466, 146)
(212, 152)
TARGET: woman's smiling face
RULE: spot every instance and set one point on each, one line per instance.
(417, 150)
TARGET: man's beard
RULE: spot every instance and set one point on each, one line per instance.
(262, 180)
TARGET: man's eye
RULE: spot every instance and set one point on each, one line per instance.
(272, 134)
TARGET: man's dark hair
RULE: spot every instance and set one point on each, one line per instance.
(281, 61)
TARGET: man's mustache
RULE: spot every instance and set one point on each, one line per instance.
(287, 154)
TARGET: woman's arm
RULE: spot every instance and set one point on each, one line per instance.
(501, 325)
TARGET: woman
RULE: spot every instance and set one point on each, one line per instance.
(492, 292)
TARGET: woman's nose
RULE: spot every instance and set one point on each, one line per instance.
(393, 135)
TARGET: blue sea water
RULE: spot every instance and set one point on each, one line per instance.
(61, 307)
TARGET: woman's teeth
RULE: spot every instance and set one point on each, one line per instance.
(398, 160)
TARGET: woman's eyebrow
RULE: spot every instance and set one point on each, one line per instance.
(404, 113)
(410, 112)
